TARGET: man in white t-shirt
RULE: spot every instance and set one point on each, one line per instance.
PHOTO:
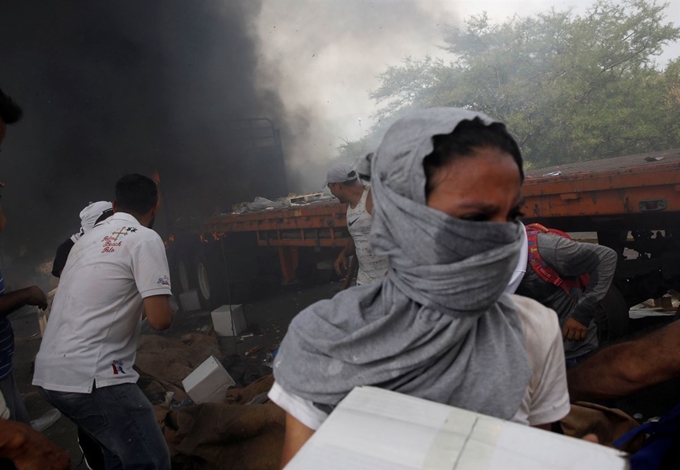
(94, 213)
(115, 273)
(344, 184)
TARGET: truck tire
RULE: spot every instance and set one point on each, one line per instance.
(184, 276)
(210, 281)
(611, 316)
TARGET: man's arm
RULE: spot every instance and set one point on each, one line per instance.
(369, 202)
(152, 276)
(13, 301)
(341, 262)
(297, 434)
(158, 311)
(573, 259)
(30, 450)
(625, 368)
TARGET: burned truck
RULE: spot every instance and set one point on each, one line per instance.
(630, 203)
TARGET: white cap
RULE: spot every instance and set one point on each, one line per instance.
(340, 173)
(89, 217)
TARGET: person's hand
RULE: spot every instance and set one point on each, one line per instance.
(574, 330)
(35, 296)
(341, 263)
(30, 450)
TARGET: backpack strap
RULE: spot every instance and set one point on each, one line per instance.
(538, 264)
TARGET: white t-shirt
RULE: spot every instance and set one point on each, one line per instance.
(546, 399)
(95, 320)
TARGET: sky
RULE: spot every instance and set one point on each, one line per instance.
(324, 56)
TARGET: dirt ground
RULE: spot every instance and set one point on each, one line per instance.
(268, 319)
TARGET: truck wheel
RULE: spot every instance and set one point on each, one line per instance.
(209, 282)
(612, 316)
(183, 276)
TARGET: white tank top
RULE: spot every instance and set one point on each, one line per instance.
(371, 268)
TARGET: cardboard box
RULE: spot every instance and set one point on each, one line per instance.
(229, 320)
(208, 383)
(379, 430)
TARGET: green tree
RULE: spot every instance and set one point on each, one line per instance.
(570, 87)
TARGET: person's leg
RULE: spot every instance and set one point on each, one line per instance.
(122, 420)
(144, 445)
(87, 413)
(92, 451)
(14, 401)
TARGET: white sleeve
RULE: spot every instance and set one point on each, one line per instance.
(150, 268)
(550, 399)
(299, 408)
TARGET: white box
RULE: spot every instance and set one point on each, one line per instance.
(229, 320)
(381, 430)
(208, 383)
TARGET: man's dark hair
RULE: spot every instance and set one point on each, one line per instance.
(10, 112)
(136, 194)
(467, 137)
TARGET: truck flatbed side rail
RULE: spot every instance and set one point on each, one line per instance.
(644, 186)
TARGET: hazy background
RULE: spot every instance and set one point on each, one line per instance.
(110, 88)
(324, 55)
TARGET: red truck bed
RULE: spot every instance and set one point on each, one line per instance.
(635, 191)
(646, 186)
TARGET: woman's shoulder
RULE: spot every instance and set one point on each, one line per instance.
(535, 316)
(547, 399)
(540, 326)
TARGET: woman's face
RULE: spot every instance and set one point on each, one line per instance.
(484, 187)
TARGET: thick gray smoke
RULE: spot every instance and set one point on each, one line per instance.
(323, 56)
(110, 88)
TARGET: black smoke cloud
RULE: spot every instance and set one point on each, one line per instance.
(110, 88)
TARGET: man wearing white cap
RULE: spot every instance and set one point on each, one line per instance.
(94, 213)
(343, 183)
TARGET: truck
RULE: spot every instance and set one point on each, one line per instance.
(630, 204)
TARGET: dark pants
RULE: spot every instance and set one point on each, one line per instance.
(122, 420)
(15, 403)
(93, 454)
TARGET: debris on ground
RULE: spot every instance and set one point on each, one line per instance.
(240, 429)
(245, 432)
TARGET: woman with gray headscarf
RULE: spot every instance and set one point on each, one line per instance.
(446, 186)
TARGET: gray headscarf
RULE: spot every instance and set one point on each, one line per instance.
(439, 326)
